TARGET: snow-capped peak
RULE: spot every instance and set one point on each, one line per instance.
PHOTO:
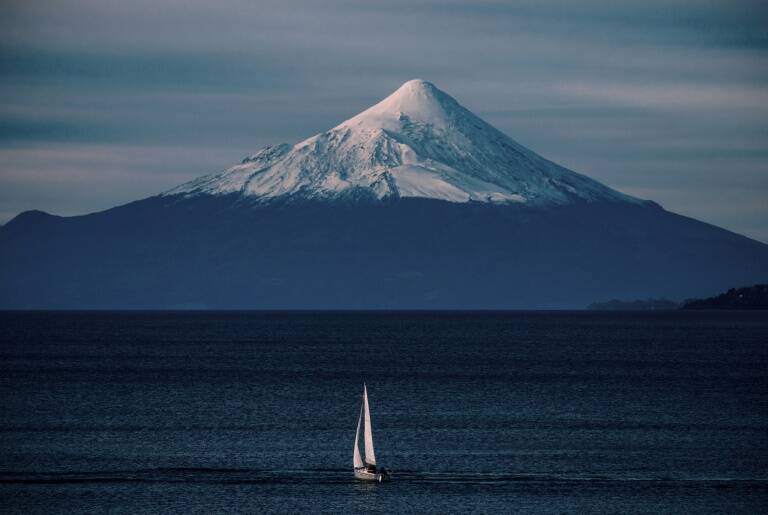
(417, 142)
(418, 99)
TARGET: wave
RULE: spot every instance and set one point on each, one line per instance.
(336, 475)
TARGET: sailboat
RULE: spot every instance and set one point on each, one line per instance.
(366, 470)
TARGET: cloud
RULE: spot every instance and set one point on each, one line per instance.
(74, 178)
(673, 95)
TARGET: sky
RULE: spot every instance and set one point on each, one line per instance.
(104, 102)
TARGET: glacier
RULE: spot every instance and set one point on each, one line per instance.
(419, 142)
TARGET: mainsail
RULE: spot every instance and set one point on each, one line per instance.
(357, 461)
(370, 456)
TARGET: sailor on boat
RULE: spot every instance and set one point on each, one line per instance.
(366, 470)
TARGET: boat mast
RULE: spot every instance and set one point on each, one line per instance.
(370, 456)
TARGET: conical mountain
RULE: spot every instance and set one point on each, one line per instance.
(415, 203)
(417, 143)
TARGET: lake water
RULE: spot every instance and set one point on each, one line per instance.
(473, 412)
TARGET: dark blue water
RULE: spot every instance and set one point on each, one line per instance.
(255, 412)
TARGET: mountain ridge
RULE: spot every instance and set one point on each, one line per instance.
(223, 252)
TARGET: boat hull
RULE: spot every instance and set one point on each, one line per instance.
(377, 477)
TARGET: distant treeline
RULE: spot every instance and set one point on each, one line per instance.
(750, 297)
(634, 305)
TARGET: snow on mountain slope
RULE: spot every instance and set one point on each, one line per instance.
(417, 142)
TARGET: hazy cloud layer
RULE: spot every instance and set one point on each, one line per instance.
(103, 102)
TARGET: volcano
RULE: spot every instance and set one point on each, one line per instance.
(416, 143)
(415, 203)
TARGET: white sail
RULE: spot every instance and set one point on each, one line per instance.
(370, 456)
(357, 461)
